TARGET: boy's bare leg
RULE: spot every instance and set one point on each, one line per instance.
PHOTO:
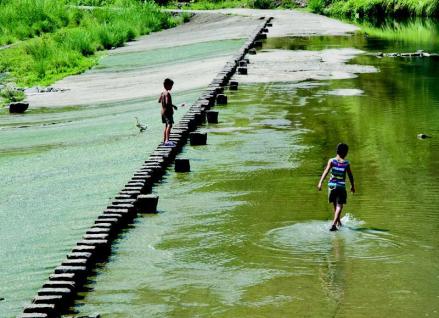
(167, 132)
(337, 214)
(164, 134)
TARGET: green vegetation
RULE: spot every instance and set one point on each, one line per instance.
(221, 4)
(11, 93)
(58, 39)
(22, 19)
(414, 33)
(373, 9)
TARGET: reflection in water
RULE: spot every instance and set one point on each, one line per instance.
(332, 272)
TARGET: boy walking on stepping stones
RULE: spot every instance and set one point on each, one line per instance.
(337, 185)
(167, 110)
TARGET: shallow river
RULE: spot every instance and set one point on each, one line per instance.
(245, 233)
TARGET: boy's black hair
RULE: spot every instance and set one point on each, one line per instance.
(342, 150)
(168, 82)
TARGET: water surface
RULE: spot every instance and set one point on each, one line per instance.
(245, 233)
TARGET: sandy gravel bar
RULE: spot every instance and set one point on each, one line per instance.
(100, 86)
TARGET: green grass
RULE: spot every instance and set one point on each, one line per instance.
(372, 9)
(222, 4)
(23, 19)
(417, 33)
(72, 48)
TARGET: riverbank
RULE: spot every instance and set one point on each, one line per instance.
(53, 41)
(375, 9)
(353, 9)
(115, 82)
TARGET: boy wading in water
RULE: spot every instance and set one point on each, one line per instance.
(337, 185)
(167, 110)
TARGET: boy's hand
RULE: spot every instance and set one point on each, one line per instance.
(352, 189)
(319, 186)
(175, 107)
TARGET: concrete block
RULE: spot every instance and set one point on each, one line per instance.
(33, 315)
(76, 262)
(221, 99)
(18, 107)
(69, 277)
(92, 237)
(88, 249)
(242, 70)
(198, 138)
(147, 203)
(122, 201)
(132, 194)
(64, 292)
(60, 284)
(257, 44)
(50, 299)
(108, 220)
(122, 196)
(233, 86)
(80, 271)
(212, 117)
(97, 230)
(86, 255)
(133, 188)
(101, 245)
(261, 36)
(182, 165)
(48, 309)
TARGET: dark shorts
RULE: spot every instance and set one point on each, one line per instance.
(168, 119)
(337, 195)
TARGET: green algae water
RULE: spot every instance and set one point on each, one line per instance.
(60, 167)
(245, 233)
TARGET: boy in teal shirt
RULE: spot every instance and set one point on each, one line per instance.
(337, 185)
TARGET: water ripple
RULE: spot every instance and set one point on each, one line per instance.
(311, 240)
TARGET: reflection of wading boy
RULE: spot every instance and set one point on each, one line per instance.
(167, 111)
(337, 186)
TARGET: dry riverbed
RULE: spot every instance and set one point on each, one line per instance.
(100, 86)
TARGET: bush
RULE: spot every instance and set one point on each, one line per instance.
(10, 93)
(263, 4)
(22, 19)
(317, 6)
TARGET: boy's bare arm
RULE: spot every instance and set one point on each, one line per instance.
(351, 179)
(324, 174)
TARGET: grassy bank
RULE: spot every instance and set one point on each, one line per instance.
(375, 9)
(222, 4)
(338, 8)
(71, 46)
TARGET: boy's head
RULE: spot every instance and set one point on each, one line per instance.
(168, 83)
(342, 150)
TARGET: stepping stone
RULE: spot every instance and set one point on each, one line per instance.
(147, 203)
(182, 165)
